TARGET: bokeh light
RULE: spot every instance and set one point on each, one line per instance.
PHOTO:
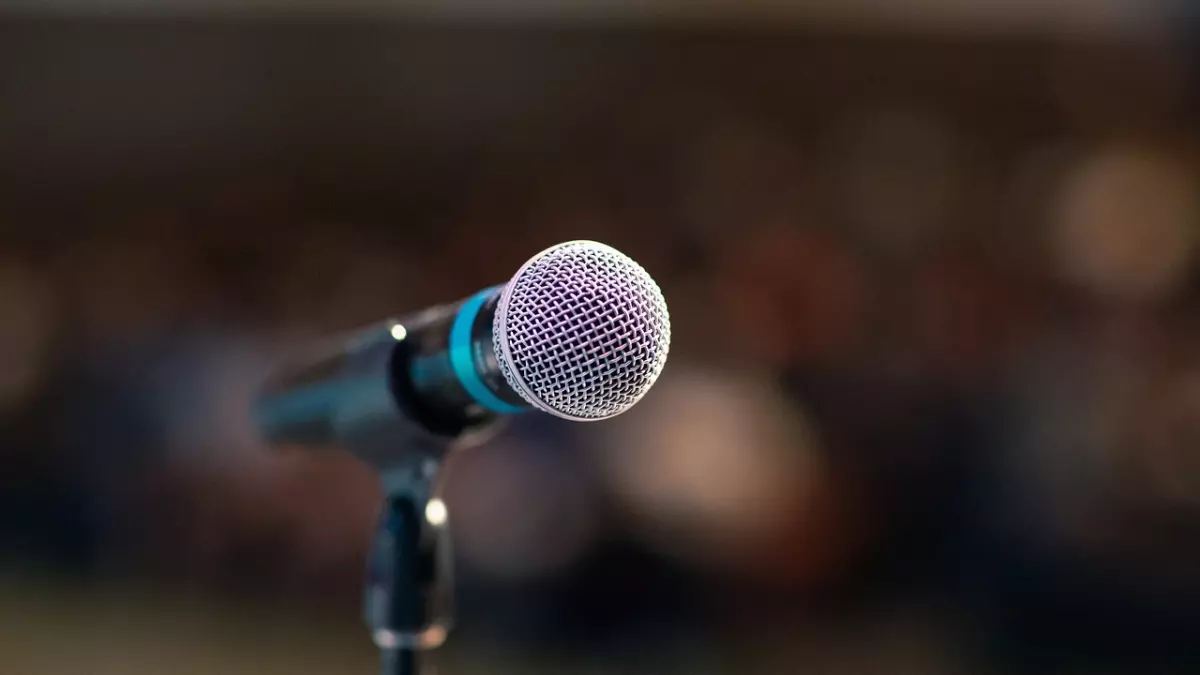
(1128, 220)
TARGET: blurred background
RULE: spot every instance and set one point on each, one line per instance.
(933, 403)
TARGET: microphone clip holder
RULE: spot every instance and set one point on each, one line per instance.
(407, 601)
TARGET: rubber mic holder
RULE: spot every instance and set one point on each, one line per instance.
(409, 590)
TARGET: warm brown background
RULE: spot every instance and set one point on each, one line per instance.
(931, 402)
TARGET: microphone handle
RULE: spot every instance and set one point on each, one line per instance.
(345, 395)
(396, 389)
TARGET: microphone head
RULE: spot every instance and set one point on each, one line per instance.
(581, 331)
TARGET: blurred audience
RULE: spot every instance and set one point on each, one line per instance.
(899, 380)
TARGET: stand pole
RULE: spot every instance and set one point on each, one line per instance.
(400, 662)
(407, 597)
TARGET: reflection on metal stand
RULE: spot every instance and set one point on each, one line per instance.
(408, 599)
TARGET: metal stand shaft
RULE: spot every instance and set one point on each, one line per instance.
(400, 662)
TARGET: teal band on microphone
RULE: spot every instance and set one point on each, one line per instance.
(463, 361)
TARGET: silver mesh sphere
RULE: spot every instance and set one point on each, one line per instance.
(581, 331)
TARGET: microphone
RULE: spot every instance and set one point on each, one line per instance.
(581, 331)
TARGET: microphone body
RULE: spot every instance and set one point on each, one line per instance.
(394, 389)
(581, 332)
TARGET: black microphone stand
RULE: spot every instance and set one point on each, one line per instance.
(407, 600)
(390, 396)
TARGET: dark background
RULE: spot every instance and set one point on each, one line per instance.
(933, 393)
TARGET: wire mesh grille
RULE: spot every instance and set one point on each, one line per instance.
(581, 331)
